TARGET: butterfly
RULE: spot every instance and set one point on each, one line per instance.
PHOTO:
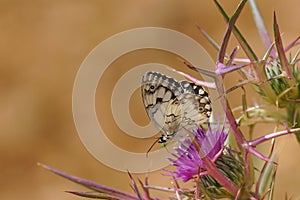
(174, 106)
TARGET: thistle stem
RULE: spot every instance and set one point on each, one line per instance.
(267, 137)
(212, 170)
(229, 115)
(216, 173)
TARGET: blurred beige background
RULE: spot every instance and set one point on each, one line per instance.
(42, 46)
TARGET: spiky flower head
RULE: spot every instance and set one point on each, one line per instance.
(188, 159)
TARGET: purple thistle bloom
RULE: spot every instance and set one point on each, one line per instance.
(188, 159)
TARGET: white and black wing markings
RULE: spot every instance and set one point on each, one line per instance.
(173, 105)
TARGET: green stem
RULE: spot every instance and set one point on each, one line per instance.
(293, 115)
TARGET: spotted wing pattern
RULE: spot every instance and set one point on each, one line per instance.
(174, 106)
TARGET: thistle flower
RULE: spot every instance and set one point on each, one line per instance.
(188, 159)
(190, 164)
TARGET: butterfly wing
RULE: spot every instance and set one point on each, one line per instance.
(173, 117)
(195, 102)
(194, 106)
(172, 106)
(158, 91)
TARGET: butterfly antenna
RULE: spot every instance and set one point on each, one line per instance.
(151, 147)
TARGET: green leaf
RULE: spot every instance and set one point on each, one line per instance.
(267, 177)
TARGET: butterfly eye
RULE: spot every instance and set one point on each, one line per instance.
(152, 87)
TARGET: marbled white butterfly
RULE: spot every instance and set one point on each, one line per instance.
(174, 106)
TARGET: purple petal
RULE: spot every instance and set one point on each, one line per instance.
(188, 160)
